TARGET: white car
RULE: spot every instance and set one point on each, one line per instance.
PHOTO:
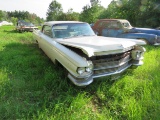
(85, 55)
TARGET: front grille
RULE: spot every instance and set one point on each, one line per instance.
(111, 64)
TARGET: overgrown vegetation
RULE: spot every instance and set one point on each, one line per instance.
(140, 13)
(31, 87)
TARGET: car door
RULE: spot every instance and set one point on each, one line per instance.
(47, 42)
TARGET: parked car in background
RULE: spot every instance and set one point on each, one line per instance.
(83, 54)
(23, 26)
(121, 28)
(5, 23)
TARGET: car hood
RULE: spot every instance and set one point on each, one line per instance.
(97, 45)
(146, 30)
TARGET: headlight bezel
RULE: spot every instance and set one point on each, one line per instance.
(138, 52)
(85, 70)
(89, 68)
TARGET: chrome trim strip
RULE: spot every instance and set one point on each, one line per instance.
(81, 82)
(112, 73)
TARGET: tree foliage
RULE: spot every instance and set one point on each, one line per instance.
(91, 13)
(70, 15)
(3, 15)
(140, 13)
(143, 13)
(25, 15)
(54, 11)
(14, 16)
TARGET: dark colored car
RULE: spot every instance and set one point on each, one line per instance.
(23, 26)
(121, 28)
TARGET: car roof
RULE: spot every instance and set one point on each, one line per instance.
(50, 23)
(113, 20)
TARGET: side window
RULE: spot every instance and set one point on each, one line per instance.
(106, 24)
(47, 30)
(119, 25)
(100, 24)
(114, 25)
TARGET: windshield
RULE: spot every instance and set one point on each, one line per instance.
(26, 24)
(126, 25)
(29, 24)
(67, 30)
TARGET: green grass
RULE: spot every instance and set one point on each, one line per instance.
(31, 87)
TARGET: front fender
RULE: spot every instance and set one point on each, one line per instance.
(56, 51)
(150, 38)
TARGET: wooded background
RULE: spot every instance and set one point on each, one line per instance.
(140, 13)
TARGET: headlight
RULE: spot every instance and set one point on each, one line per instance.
(89, 68)
(81, 70)
(136, 54)
(85, 70)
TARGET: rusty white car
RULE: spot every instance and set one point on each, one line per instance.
(85, 55)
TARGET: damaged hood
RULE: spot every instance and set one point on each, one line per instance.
(97, 45)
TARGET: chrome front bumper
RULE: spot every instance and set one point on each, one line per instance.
(156, 44)
(89, 80)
